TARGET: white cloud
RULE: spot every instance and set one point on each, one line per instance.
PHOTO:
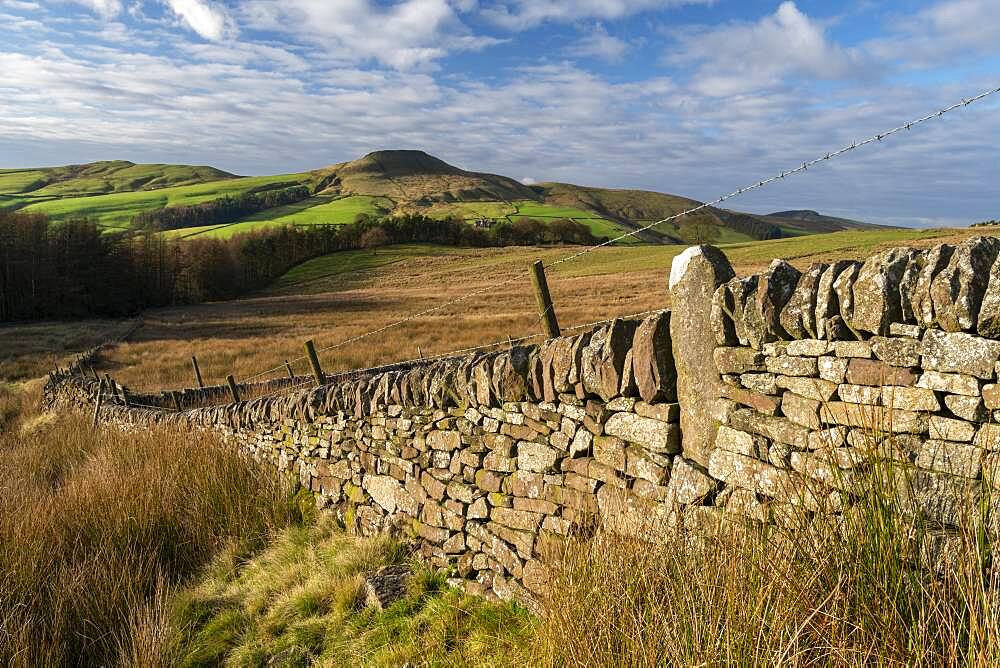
(744, 57)
(106, 8)
(404, 35)
(941, 34)
(208, 19)
(524, 14)
(599, 44)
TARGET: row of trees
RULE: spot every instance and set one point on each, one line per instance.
(74, 269)
(219, 211)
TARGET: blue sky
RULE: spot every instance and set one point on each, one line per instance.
(694, 97)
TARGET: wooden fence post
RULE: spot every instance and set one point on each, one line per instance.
(177, 401)
(197, 371)
(97, 403)
(289, 367)
(112, 387)
(314, 362)
(546, 310)
(233, 389)
(94, 373)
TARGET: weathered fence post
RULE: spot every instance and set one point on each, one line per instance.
(97, 402)
(288, 366)
(233, 389)
(197, 371)
(314, 362)
(94, 373)
(420, 353)
(546, 310)
(177, 401)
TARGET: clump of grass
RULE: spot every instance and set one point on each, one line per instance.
(297, 603)
(878, 584)
(93, 524)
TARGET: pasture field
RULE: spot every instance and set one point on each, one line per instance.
(318, 210)
(343, 295)
(116, 210)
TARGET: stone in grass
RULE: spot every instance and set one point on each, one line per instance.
(949, 429)
(761, 477)
(939, 497)
(870, 395)
(959, 459)
(988, 437)
(386, 586)
(958, 352)
(688, 482)
(957, 291)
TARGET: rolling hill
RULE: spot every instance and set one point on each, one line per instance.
(380, 183)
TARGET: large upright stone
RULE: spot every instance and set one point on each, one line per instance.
(653, 360)
(694, 276)
(827, 304)
(957, 292)
(737, 297)
(931, 263)
(798, 317)
(773, 291)
(876, 291)
(611, 368)
(988, 324)
(844, 287)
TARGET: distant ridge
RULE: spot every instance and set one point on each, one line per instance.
(393, 182)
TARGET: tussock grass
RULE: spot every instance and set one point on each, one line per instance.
(298, 603)
(879, 584)
(95, 524)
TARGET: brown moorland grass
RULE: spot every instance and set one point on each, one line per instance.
(248, 336)
(94, 523)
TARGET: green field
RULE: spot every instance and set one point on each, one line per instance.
(350, 262)
(116, 210)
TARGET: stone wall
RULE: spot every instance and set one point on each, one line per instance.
(478, 459)
(826, 370)
(786, 386)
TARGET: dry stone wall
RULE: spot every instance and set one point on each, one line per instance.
(827, 370)
(480, 460)
(752, 397)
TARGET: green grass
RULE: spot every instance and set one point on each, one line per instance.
(118, 209)
(351, 262)
(599, 227)
(15, 181)
(318, 210)
(297, 603)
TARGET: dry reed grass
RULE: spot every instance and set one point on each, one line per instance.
(94, 523)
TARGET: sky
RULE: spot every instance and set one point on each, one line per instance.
(692, 97)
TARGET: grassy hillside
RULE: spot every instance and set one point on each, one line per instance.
(115, 210)
(382, 183)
